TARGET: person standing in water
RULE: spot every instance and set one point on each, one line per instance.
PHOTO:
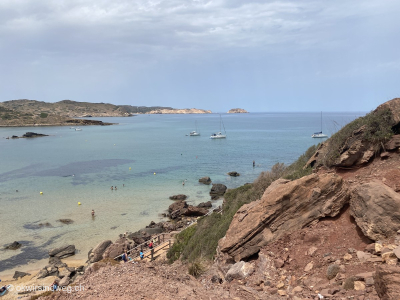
(92, 212)
(254, 163)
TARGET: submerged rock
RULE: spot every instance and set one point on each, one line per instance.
(233, 174)
(178, 197)
(205, 180)
(13, 246)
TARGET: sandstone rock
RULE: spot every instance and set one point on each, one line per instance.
(42, 273)
(359, 285)
(394, 106)
(178, 205)
(311, 251)
(63, 251)
(393, 143)
(282, 293)
(19, 274)
(370, 248)
(56, 262)
(63, 272)
(116, 248)
(279, 263)
(178, 197)
(378, 247)
(97, 252)
(240, 270)
(14, 246)
(64, 281)
(376, 209)
(396, 252)
(390, 258)
(297, 289)
(217, 190)
(347, 257)
(309, 267)
(360, 152)
(205, 180)
(194, 211)
(332, 271)
(384, 155)
(387, 282)
(286, 206)
(207, 204)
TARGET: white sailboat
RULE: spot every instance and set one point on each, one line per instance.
(219, 134)
(194, 133)
(319, 134)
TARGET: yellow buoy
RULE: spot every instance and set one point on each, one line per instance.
(79, 203)
(130, 168)
(154, 173)
(41, 193)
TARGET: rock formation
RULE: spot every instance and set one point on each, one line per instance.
(285, 207)
(237, 111)
(217, 190)
(205, 180)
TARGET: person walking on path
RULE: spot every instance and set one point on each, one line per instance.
(141, 255)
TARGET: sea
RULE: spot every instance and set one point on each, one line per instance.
(147, 157)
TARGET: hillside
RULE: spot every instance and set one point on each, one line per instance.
(39, 113)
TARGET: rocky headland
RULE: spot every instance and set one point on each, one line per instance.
(325, 227)
(26, 112)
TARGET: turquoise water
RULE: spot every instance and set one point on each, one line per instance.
(80, 166)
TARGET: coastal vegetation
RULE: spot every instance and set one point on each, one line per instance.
(374, 128)
(199, 242)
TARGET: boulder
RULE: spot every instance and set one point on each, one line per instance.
(193, 211)
(393, 143)
(360, 152)
(217, 190)
(64, 281)
(207, 204)
(387, 282)
(240, 270)
(13, 246)
(286, 206)
(178, 197)
(116, 248)
(178, 205)
(332, 271)
(63, 251)
(42, 273)
(97, 253)
(205, 180)
(63, 272)
(376, 209)
(139, 237)
(233, 174)
(56, 262)
(19, 274)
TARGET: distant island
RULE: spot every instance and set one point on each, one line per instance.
(26, 112)
(237, 111)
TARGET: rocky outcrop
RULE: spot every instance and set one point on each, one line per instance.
(63, 251)
(13, 246)
(393, 143)
(193, 211)
(387, 282)
(205, 180)
(178, 197)
(394, 106)
(237, 111)
(33, 134)
(233, 174)
(285, 207)
(217, 190)
(240, 270)
(117, 248)
(97, 253)
(376, 209)
(19, 274)
(207, 204)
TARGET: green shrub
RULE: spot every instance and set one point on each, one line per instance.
(296, 170)
(377, 129)
(181, 241)
(196, 269)
(43, 115)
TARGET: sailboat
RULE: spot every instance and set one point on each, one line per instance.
(194, 133)
(219, 135)
(319, 134)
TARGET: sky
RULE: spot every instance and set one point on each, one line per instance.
(299, 55)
